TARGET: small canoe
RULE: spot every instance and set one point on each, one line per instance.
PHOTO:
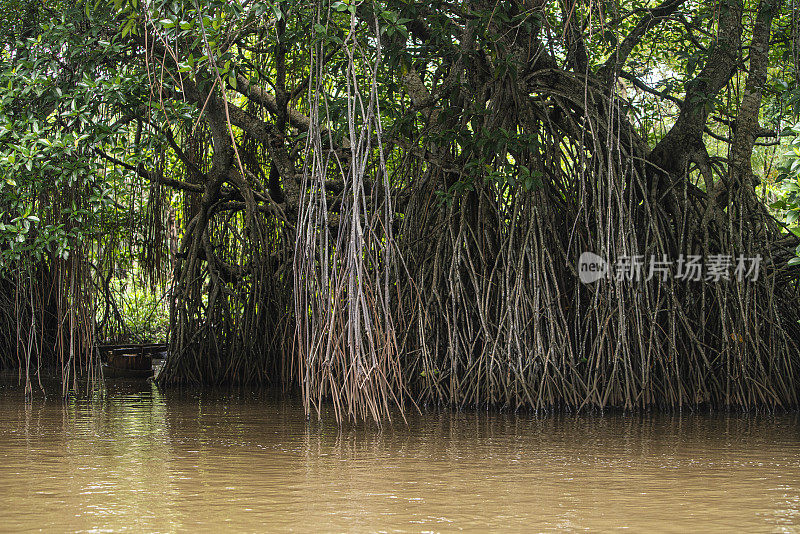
(110, 371)
(130, 360)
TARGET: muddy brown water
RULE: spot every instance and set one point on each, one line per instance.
(144, 460)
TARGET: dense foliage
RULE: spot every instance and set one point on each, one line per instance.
(384, 202)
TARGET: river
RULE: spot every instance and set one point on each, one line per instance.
(143, 460)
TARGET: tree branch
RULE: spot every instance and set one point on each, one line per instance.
(150, 175)
(677, 147)
(653, 17)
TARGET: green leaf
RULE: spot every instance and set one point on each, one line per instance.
(128, 26)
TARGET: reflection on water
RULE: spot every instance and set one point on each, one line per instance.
(145, 460)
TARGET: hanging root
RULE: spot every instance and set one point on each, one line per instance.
(499, 317)
(345, 267)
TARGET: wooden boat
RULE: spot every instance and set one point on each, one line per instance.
(131, 360)
(110, 371)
